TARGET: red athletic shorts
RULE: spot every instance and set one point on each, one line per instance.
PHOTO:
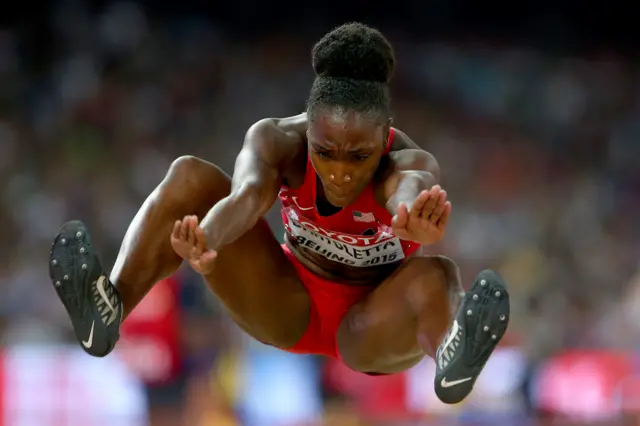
(330, 302)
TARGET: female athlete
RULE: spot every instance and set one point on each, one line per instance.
(359, 198)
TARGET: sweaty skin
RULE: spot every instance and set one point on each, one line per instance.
(402, 319)
(339, 148)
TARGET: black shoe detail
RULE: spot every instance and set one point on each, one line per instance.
(480, 324)
(92, 302)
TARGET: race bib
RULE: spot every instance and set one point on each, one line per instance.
(348, 249)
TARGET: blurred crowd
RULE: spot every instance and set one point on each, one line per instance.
(539, 156)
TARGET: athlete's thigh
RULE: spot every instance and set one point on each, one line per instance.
(258, 285)
(380, 333)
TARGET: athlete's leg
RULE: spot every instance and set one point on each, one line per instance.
(408, 315)
(421, 284)
(248, 272)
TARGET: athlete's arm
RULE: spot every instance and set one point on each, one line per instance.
(267, 151)
(412, 194)
(409, 171)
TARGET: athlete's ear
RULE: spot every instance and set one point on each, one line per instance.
(387, 129)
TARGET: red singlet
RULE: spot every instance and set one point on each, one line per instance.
(358, 235)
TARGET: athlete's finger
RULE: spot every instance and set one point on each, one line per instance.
(442, 222)
(201, 239)
(176, 230)
(184, 229)
(432, 202)
(193, 223)
(425, 224)
(419, 203)
(438, 210)
(401, 218)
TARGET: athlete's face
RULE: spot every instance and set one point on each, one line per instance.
(345, 150)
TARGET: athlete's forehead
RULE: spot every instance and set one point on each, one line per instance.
(348, 130)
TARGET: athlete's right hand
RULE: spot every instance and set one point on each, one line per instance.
(189, 242)
(425, 222)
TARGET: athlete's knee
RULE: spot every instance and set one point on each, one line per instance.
(427, 272)
(453, 281)
(190, 178)
(193, 172)
(432, 279)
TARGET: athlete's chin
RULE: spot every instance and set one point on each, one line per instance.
(340, 201)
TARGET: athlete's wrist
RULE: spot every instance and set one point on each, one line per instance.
(410, 185)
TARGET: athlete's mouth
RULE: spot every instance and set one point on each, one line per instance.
(339, 199)
(337, 193)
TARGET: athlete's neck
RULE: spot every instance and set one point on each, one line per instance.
(323, 206)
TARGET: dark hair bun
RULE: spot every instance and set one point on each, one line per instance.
(354, 51)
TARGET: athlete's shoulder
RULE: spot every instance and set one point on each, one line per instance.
(402, 141)
(405, 155)
(277, 138)
(295, 125)
(289, 129)
(405, 146)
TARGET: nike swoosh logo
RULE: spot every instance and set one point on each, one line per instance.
(103, 293)
(295, 200)
(446, 384)
(87, 344)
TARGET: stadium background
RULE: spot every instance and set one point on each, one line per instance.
(531, 109)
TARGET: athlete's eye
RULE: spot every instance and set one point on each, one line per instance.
(361, 157)
(323, 154)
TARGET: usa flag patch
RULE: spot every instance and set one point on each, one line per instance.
(363, 217)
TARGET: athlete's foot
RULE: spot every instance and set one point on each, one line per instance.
(477, 329)
(92, 302)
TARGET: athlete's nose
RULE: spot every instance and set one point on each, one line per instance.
(340, 176)
(347, 178)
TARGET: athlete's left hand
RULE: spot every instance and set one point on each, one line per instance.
(189, 242)
(426, 221)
